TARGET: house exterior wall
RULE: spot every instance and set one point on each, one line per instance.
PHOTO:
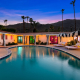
(58, 40)
(10, 38)
(42, 38)
(66, 39)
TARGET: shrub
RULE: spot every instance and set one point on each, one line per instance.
(11, 44)
(73, 42)
(69, 43)
(43, 43)
(37, 42)
(76, 41)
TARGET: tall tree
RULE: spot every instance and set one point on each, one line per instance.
(35, 24)
(5, 21)
(27, 18)
(23, 23)
(73, 3)
(31, 20)
(62, 18)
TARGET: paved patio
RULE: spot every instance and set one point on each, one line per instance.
(4, 51)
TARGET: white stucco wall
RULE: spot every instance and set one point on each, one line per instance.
(42, 38)
(9, 39)
(66, 39)
(14, 39)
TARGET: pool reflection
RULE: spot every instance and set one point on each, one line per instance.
(30, 63)
(41, 52)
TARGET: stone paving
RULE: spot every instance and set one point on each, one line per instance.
(3, 52)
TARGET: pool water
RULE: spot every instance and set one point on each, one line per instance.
(39, 63)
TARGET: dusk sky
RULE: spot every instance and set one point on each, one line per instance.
(43, 11)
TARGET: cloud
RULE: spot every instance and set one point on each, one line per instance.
(14, 16)
(9, 22)
(45, 21)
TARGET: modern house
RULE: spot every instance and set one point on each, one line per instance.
(32, 38)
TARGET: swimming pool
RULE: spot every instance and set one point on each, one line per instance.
(39, 63)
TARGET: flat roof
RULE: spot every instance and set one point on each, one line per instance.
(36, 33)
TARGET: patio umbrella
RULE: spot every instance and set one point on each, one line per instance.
(77, 33)
(62, 35)
(65, 35)
(71, 34)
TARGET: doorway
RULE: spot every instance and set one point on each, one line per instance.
(20, 39)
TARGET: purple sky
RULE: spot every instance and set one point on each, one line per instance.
(47, 11)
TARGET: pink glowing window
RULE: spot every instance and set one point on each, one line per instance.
(11, 37)
(5, 36)
(54, 39)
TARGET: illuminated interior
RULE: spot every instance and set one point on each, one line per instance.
(20, 39)
(54, 39)
(31, 39)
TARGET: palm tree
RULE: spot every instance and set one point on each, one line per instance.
(31, 20)
(23, 23)
(27, 18)
(5, 21)
(73, 2)
(62, 18)
(35, 24)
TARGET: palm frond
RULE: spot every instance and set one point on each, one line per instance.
(62, 10)
(5, 20)
(23, 17)
(71, 3)
(27, 17)
(74, 1)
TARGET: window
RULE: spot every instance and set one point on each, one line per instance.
(11, 37)
(5, 36)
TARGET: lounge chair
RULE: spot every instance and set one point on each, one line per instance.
(71, 47)
(60, 45)
(77, 46)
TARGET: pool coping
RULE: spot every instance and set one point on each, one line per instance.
(9, 51)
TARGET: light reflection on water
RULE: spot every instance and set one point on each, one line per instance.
(45, 63)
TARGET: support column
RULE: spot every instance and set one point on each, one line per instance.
(35, 39)
(29, 40)
(24, 40)
(4, 40)
(47, 39)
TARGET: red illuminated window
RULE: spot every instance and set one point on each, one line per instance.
(11, 37)
(5, 36)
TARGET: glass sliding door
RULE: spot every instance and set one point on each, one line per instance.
(20, 39)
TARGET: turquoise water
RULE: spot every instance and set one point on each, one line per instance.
(39, 63)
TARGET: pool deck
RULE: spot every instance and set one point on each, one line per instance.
(5, 51)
